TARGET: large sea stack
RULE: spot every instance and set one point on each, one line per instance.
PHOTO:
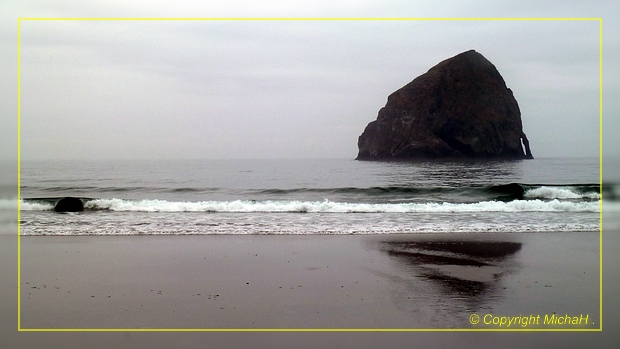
(460, 108)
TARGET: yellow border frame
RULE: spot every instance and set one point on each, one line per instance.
(19, 328)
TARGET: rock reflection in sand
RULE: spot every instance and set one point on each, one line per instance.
(462, 274)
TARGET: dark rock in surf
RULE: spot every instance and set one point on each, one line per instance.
(69, 204)
(460, 108)
(508, 192)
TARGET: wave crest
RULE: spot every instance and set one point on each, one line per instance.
(546, 192)
(339, 207)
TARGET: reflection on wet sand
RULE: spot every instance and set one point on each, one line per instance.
(456, 264)
(458, 276)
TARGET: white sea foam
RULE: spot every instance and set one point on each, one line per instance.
(558, 193)
(340, 207)
(35, 206)
(247, 230)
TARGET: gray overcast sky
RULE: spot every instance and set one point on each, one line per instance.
(281, 89)
(285, 89)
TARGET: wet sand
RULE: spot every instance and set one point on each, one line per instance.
(303, 282)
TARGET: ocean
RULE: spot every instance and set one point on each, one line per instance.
(331, 196)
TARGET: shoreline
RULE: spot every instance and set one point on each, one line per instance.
(395, 281)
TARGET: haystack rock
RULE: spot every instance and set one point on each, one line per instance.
(460, 108)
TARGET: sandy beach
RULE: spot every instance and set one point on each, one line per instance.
(309, 282)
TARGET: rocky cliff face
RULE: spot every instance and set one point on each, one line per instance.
(460, 108)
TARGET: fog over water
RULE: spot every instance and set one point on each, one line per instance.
(281, 89)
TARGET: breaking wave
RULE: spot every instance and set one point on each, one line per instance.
(325, 206)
